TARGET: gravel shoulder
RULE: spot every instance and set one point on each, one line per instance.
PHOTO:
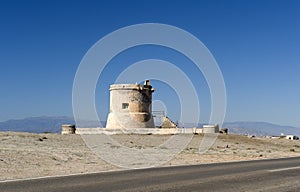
(27, 155)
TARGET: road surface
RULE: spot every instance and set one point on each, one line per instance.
(261, 175)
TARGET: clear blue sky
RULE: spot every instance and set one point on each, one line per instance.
(256, 44)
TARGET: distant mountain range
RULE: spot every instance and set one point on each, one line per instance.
(36, 124)
(260, 128)
(53, 125)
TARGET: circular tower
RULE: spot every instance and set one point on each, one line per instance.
(130, 106)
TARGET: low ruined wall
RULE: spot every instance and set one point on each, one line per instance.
(145, 131)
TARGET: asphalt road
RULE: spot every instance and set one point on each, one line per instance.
(262, 175)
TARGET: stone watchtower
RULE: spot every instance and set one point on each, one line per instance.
(130, 106)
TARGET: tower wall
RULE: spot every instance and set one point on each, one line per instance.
(130, 106)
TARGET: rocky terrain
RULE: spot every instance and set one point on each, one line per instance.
(27, 155)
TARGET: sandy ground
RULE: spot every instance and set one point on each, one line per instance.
(27, 155)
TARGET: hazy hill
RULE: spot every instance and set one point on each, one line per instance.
(260, 128)
(53, 124)
(36, 124)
